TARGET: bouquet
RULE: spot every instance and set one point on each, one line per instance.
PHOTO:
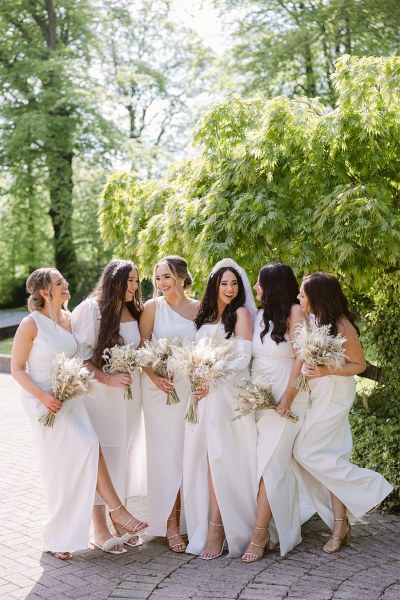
(203, 362)
(155, 355)
(316, 346)
(69, 378)
(255, 394)
(121, 359)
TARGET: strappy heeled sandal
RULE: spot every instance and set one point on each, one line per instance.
(110, 543)
(122, 529)
(180, 546)
(343, 541)
(252, 556)
(223, 546)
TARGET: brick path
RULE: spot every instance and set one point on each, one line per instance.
(368, 570)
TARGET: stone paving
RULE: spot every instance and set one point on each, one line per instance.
(368, 570)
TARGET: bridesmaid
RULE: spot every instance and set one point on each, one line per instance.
(274, 359)
(323, 446)
(165, 316)
(71, 462)
(108, 317)
(220, 454)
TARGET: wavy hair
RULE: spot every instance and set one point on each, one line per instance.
(327, 300)
(208, 309)
(38, 280)
(109, 293)
(279, 292)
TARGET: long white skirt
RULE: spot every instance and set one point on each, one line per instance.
(119, 425)
(164, 427)
(230, 447)
(68, 457)
(323, 448)
(276, 437)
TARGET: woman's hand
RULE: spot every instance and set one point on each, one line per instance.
(163, 383)
(312, 371)
(51, 403)
(201, 392)
(119, 380)
(283, 408)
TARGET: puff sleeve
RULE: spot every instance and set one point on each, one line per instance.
(85, 327)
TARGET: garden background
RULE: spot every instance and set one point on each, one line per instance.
(260, 130)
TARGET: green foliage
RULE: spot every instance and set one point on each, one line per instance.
(376, 443)
(279, 179)
(290, 47)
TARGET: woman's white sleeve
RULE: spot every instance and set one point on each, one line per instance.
(242, 358)
(85, 327)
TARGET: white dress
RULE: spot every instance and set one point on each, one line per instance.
(117, 420)
(68, 453)
(323, 448)
(231, 450)
(165, 427)
(275, 438)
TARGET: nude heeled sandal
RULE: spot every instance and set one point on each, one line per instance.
(122, 529)
(223, 546)
(343, 541)
(174, 547)
(252, 557)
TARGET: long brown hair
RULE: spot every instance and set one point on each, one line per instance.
(110, 296)
(327, 301)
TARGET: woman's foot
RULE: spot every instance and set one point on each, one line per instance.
(215, 542)
(101, 537)
(175, 540)
(258, 545)
(62, 555)
(124, 522)
(340, 536)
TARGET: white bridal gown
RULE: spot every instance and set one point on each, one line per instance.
(323, 448)
(276, 437)
(117, 420)
(68, 453)
(231, 450)
(165, 427)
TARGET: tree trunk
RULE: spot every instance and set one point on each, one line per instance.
(372, 372)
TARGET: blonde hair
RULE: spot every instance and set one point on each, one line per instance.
(37, 281)
(178, 268)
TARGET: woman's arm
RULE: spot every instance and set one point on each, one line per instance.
(146, 325)
(22, 346)
(297, 316)
(355, 359)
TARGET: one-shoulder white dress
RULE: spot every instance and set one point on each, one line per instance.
(165, 428)
(117, 420)
(275, 437)
(323, 448)
(230, 447)
(68, 453)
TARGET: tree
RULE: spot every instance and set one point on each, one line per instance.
(279, 179)
(49, 110)
(153, 68)
(290, 46)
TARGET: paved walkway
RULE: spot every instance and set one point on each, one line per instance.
(368, 570)
(9, 318)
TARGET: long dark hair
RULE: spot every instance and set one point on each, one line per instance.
(208, 310)
(327, 301)
(279, 292)
(110, 295)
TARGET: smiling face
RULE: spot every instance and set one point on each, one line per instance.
(132, 285)
(228, 289)
(165, 281)
(59, 292)
(259, 291)
(304, 300)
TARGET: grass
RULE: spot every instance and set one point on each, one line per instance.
(5, 345)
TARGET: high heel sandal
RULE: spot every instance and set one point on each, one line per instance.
(223, 546)
(343, 541)
(174, 547)
(122, 529)
(264, 549)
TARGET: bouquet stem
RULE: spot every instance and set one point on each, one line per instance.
(48, 420)
(128, 393)
(300, 383)
(192, 413)
(172, 398)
